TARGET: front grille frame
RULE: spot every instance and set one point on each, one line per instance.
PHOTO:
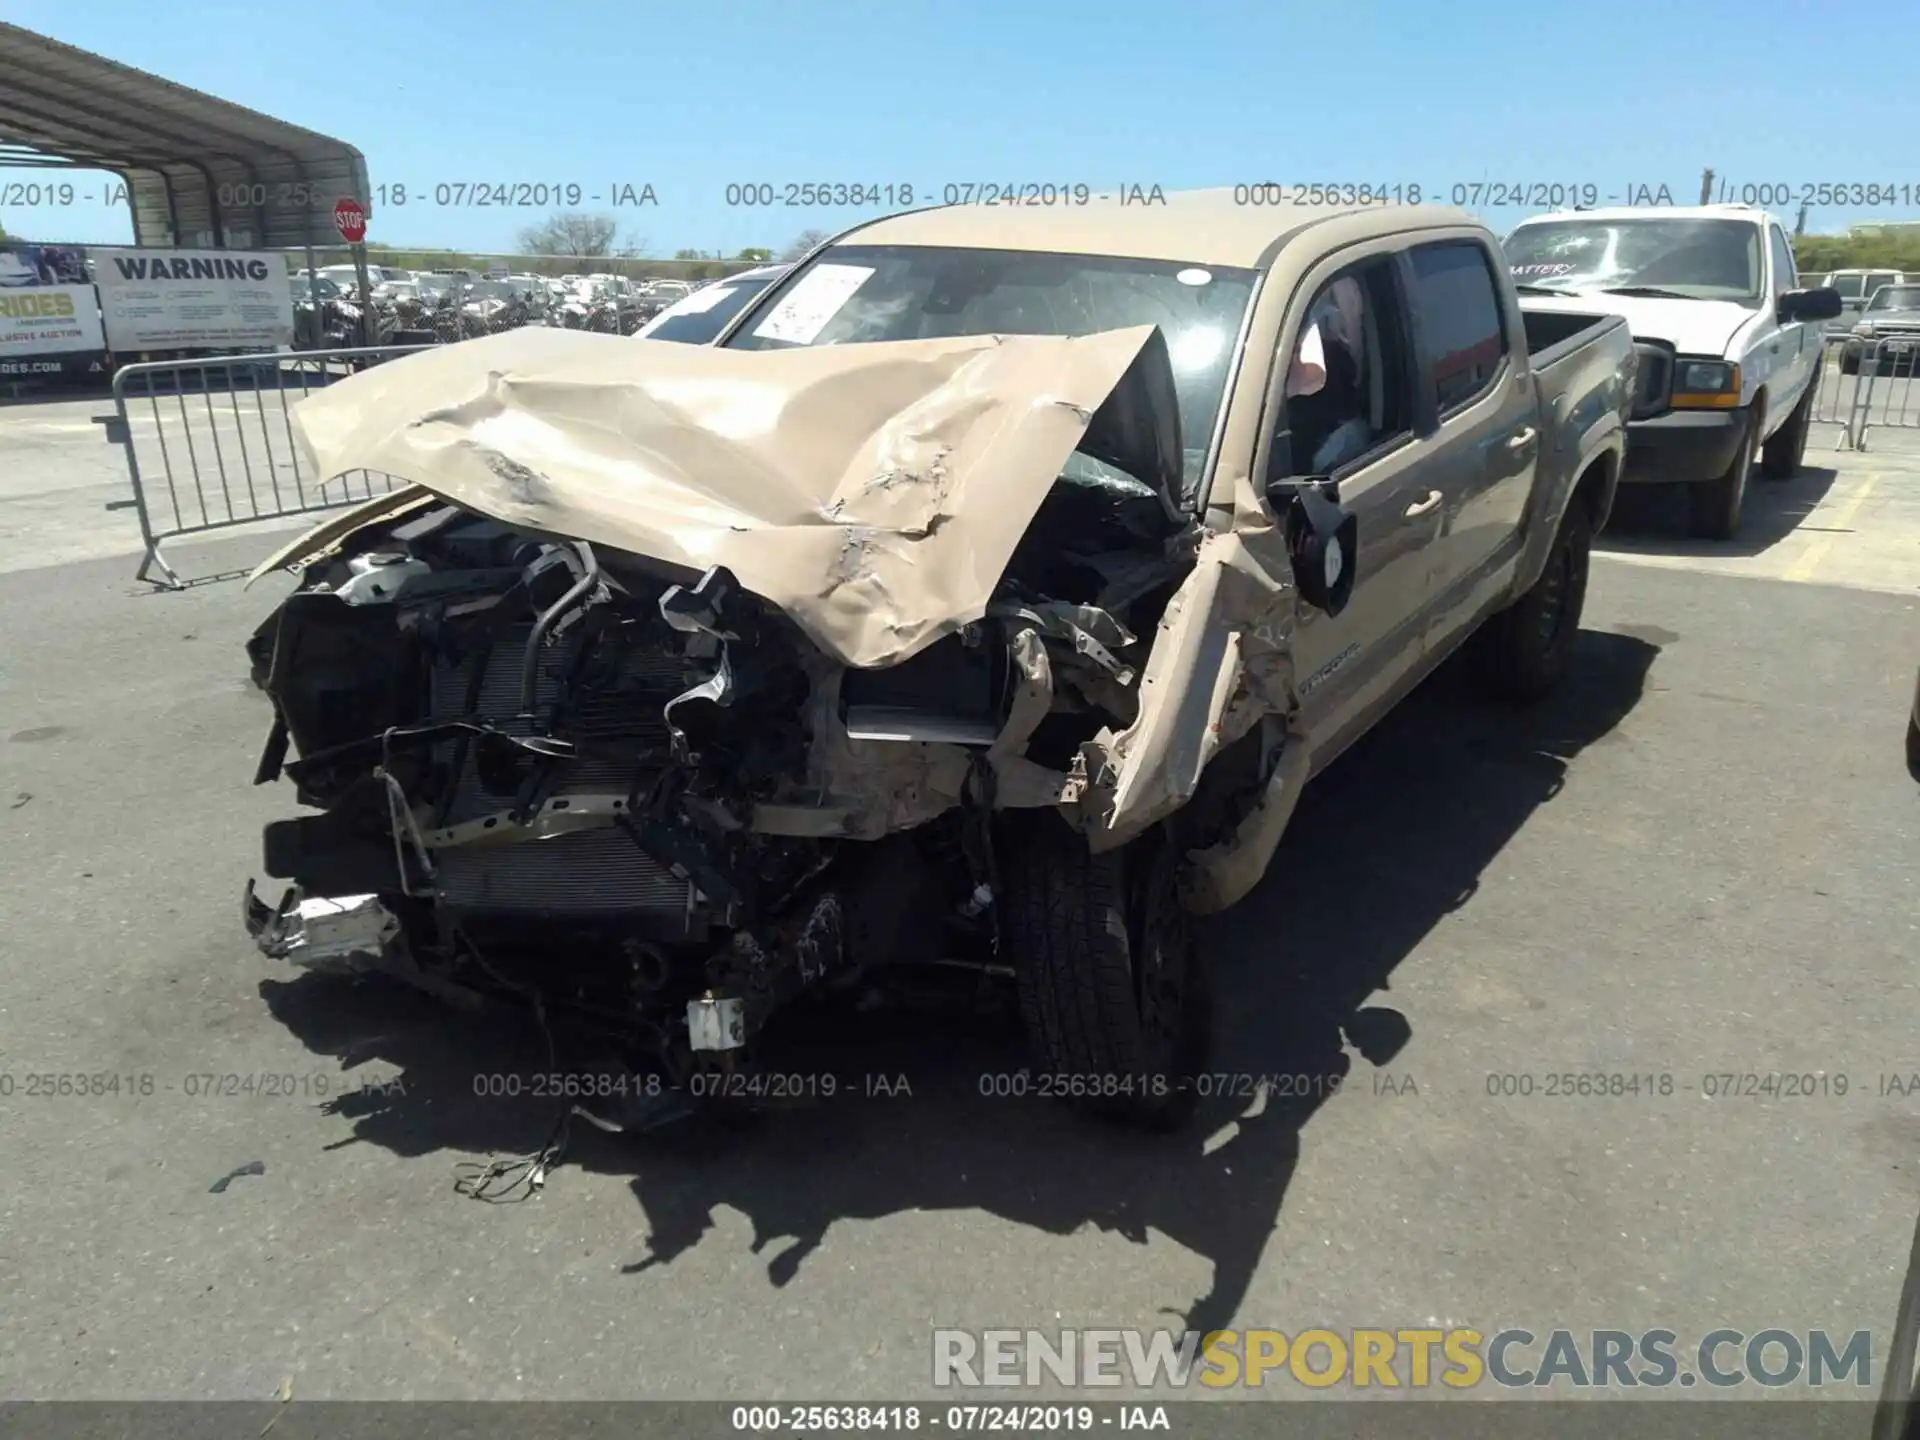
(1653, 379)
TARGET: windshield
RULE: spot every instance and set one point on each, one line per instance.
(853, 294)
(321, 287)
(699, 319)
(494, 290)
(1895, 297)
(1698, 259)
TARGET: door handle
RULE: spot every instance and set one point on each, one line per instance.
(1421, 507)
(1521, 439)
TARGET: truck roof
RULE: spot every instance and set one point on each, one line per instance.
(1658, 212)
(1203, 226)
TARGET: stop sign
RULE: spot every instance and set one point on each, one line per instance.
(350, 220)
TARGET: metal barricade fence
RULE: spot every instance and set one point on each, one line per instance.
(1889, 367)
(1868, 383)
(1837, 399)
(1833, 399)
(209, 443)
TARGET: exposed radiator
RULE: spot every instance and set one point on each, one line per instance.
(587, 873)
(616, 726)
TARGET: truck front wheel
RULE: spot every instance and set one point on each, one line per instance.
(1112, 990)
(1782, 455)
(1713, 506)
(1520, 652)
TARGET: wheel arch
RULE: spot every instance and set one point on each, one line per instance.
(1597, 486)
(1596, 481)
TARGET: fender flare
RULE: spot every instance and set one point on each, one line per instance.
(1605, 446)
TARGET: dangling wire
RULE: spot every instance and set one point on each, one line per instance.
(509, 1181)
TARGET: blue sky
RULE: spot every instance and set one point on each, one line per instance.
(1121, 92)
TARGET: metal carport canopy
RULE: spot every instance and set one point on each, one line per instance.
(199, 171)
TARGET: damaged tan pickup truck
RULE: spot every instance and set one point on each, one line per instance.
(986, 594)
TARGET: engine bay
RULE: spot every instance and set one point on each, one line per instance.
(644, 796)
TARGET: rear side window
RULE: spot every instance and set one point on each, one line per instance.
(1460, 320)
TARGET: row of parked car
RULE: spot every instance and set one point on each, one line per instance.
(1879, 319)
(441, 306)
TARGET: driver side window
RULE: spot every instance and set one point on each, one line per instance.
(1347, 388)
(1785, 277)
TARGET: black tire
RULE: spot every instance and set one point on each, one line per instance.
(1782, 455)
(1849, 364)
(1714, 506)
(1519, 653)
(1913, 747)
(1113, 994)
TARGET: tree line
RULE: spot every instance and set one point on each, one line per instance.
(1889, 248)
(553, 246)
(577, 236)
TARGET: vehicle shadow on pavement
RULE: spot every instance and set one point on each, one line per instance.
(1652, 519)
(1420, 807)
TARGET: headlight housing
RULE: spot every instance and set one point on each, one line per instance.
(1705, 384)
(1864, 330)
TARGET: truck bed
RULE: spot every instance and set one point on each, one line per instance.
(1551, 334)
(1584, 369)
(1579, 362)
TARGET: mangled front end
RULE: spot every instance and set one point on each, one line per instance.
(679, 684)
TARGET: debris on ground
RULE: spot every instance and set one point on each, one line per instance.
(252, 1167)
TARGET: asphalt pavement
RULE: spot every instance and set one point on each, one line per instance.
(1696, 861)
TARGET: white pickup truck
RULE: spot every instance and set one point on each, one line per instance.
(1729, 343)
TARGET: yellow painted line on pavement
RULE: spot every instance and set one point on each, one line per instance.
(1803, 568)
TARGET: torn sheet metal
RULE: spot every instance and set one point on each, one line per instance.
(1091, 632)
(334, 933)
(1221, 875)
(1218, 663)
(325, 538)
(874, 492)
(1032, 699)
(871, 787)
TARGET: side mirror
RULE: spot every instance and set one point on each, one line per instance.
(1322, 540)
(1822, 303)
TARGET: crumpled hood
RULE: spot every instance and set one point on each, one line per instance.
(1692, 327)
(874, 492)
